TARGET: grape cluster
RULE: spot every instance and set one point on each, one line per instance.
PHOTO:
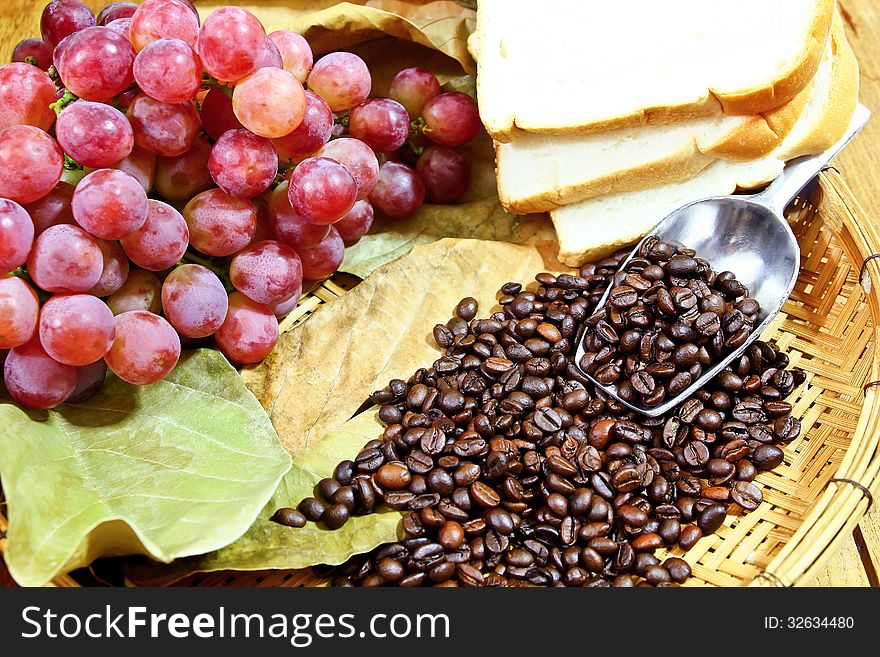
(165, 181)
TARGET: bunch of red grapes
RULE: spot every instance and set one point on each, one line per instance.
(165, 180)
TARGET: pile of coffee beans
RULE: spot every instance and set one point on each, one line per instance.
(514, 470)
(668, 316)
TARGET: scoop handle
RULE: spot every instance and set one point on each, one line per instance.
(800, 171)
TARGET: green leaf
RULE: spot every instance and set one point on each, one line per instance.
(270, 545)
(169, 470)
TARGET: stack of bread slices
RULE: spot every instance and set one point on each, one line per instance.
(609, 115)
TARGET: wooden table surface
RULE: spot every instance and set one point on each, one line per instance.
(858, 562)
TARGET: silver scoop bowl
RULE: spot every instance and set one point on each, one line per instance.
(745, 234)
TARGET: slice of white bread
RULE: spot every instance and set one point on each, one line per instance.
(580, 67)
(592, 229)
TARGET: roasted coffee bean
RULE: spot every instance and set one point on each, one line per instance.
(669, 531)
(326, 487)
(393, 475)
(289, 517)
(747, 495)
(484, 495)
(767, 457)
(467, 308)
(312, 508)
(345, 495)
(679, 570)
(689, 537)
(344, 472)
(711, 518)
(336, 515)
(696, 454)
(787, 428)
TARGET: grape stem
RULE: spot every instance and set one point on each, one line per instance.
(30, 59)
(342, 120)
(416, 149)
(64, 101)
(192, 258)
(213, 83)
(70, 164)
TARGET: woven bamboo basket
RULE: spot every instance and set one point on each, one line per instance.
(816, 498)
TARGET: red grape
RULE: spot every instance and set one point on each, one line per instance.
(145, 350)
(194, 301)
(356, 223)
(288, 226)
(269, 55)
(413, 87)
(358, 158)
(53, 209)
(218, 115)
(342, 79)
(168, 70)
(30, 163)
(76, 329)
(19, 310)
(452, 119)
(142, 290)
(115, 11)
(94, 134)
(34, 379)
(242, 163)
(181, 177)
(296, 55)
(110, 204)
(283, 309)
(65, 259)
(115, 271)
(270, 102)
(322, 261)
(37, 49)
(89, 380)
(140, 165)
(321, 190)
(229, 43)
(16, 235)
(95, 63)
(400, 191)
(220, 224)
(446, 173)
(311, 134)
(162, 240)
(25, 95)
(249, 332)
(381, 123)
(163, 128)
(62, 18)
(268, 272)
(122, 27)
(160, 19)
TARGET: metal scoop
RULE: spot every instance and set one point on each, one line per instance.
(745, 234)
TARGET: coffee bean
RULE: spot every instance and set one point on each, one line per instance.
(679, 570)
(393, 475)
(289, 517)
(336, 515)
(484, 495)
(747, 495)
(711, 518)
(767, 457)
(312, 508)
(467, 308)
(689, 537)
(787, 428)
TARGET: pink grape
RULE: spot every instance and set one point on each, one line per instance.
(115, 271)
(95, 63)
(115, 11)
(38, 49)
(269, 55)
(34, 379)
(357, 222)
(270, 102)
(218, 115)
(140, 165)
(194, 301)
(145, 350)
(288, 226)
(242, 163)
(322, 261)
(25, 95)
(161, 241)
(110, 204)
(19, 310)
(168, 70)
(30, 163)
(321, 190)
(268, 272)
(358, 158)
(89, 381)
(452, 119)
(181, 177)
(16, 235)
(161, 19)
(400, 191)
(283, 309)
(62, 18)
(163, 128)
(311, 134)
(53, 209)
(381, 123)
(249, 332)
(342, 79)
(446, 173)
(142, 290)
(94, 134)
(65, 259)
(220, 224)
(229, 43)
(296, 55)
(413, 87)
(122, 27)
(76, 329)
